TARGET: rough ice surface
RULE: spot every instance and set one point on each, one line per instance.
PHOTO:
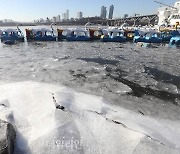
(89, 124)
(137, 84)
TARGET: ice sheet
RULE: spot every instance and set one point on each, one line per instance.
(88, 124)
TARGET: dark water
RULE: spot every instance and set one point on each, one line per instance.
(105, 69)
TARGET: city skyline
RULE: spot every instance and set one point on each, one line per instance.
(30, 10)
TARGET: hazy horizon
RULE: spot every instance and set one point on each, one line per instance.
(29, 10)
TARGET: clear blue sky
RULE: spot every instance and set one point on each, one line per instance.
(28, 10)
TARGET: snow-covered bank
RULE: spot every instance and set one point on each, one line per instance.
(89, 124)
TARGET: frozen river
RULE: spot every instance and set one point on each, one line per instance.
(145, 81)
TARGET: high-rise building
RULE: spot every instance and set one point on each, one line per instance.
(111, 10)
(54, 19)
(67, 14)
(58, 18)
(126, 15)
(79, 15)
(103, 12)
(63, 16)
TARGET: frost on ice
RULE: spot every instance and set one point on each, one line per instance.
(88, 124)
